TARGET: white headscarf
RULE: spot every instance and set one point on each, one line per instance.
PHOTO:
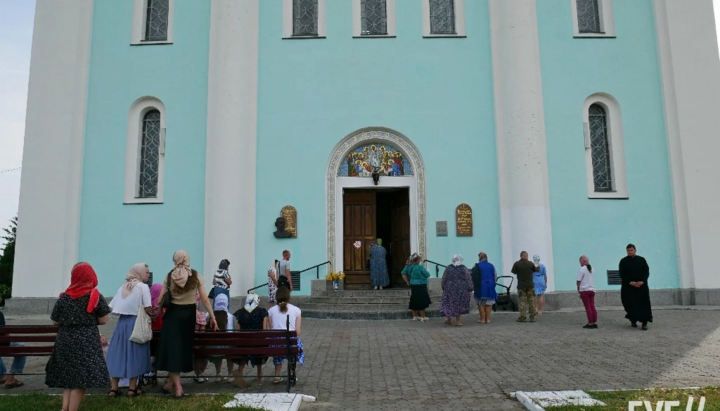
(457, 260)
(133, 277)
(251, 302)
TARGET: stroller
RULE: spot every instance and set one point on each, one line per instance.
(504, 300)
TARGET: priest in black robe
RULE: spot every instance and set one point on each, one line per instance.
(635, 293)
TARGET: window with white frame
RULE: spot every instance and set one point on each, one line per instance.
(145, 152)
(152, 22)
(604, 148)
(443, 18)
(373, 18)
(593, 18)
(303, 19)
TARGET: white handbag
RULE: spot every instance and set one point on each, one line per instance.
(142, 331)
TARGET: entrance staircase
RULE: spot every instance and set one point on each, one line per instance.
(388, 304)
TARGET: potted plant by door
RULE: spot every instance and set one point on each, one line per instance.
(336, 281)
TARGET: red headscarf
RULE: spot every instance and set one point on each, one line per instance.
(83, 281)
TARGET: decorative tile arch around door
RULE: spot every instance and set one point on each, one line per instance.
(409, 172)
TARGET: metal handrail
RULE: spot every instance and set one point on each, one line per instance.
(437, 267)
(317, 275)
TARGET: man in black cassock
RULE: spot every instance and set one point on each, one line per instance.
(635, 293)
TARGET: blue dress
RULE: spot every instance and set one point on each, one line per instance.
(378, 266)
(485, 290)
(539, 280)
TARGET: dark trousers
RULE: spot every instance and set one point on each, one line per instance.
(283, 282)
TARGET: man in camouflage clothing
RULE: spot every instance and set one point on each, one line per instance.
(524, 270)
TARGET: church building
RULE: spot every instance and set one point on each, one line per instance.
(236, 129)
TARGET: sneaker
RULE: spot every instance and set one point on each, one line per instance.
(424, 319)
(588, 326)
(415, 318)
(594, 326)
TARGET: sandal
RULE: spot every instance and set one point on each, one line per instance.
(135, 392)
(167, 391)
(278, 380)
(179, 397)
(14, 385)
(114, 393)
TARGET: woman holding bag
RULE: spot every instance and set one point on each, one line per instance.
(126, 358)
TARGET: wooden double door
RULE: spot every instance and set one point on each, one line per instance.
(367, 215)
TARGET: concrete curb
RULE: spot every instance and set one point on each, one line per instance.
(527, 402)
(270, 402)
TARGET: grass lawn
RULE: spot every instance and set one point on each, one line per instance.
(39, 402)
(619, 400)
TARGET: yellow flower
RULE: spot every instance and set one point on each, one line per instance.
(329, 277)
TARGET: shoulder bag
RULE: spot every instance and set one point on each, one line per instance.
(142, 331)
(167, 298)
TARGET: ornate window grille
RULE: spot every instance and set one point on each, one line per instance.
(374, 17)
(150, 155)
(600, 149)
(156, 20)
(588, 15)
(305, 17)
(442, 17)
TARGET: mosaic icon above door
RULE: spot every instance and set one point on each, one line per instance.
(363, 160)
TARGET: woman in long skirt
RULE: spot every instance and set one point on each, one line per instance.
(77, 362)
(378, 266)
(175, 353)
(540, 282)
(457, 286)
(415, 275)
(127, 359)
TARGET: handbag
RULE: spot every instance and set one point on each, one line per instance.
(211, 294)
(142, 331)
(167, 298)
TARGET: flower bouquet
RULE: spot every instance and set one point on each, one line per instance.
(335, 278)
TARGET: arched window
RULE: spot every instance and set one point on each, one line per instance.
(152, 22)
(588, 15)
(156, 20)
(604, 148)
(593, 18)
(443, 18)
(145, 153)
(149, 155)
(305, 18)
(600, 149)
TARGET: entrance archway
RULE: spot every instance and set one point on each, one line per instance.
(338, 180)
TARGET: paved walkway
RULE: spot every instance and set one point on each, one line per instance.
(398, 365)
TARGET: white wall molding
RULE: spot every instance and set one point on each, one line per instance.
(140, 20)
(459, 20)
(607, 20)
(51, 182)
(391, 20)
(230, 170)
(616, 142)
(288, 21)
(520, 133)
(335, 186)
(133, 150)
(690, 67)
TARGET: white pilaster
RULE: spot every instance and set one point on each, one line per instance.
(231, 141)
(520, 133)
(50, 193)
(688, 51)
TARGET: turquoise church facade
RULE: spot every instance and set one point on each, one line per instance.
(497, 119)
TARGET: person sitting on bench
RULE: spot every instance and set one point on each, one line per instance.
(17, 367)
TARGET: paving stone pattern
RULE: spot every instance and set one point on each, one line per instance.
(400, 364)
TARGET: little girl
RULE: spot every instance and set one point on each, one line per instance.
(200, 323)
(225, 322)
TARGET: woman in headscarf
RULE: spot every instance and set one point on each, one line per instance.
(225, 322)
(416, 275)
(378, 266)
(272, 283)
(175, 354)
(251, 317)
(540, 281)
(222, 280)
(457, 287)
(77, 361)
(125, 358)
(586, 288)
(484, 277)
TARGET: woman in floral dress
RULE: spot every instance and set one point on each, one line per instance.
(77, 362)
(272, 283)
(457, 287)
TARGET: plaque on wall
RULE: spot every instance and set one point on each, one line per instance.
(289, 213)
(441, 228)
(463, 220)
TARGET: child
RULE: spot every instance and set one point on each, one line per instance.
(586, 288)
(200, 323)
(225, 322)
(250, 317)
(279, 315)
(156, 316)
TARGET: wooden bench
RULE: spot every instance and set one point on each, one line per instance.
(41, 338)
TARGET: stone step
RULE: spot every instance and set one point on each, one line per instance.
(394, 292)
(366, 315)
(364, 300)
(358, 307)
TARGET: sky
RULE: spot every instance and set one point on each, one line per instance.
(16, 25)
